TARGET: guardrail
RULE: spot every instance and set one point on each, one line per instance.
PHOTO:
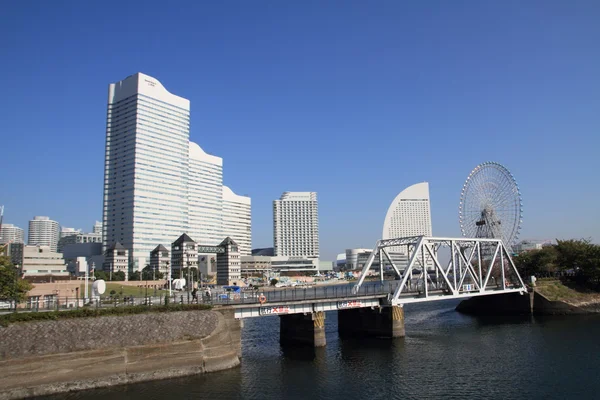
(318, 292)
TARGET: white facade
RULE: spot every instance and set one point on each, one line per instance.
(205, 197)
(356, 259)
(296, 225)
(237, 220)
(409, 214)
(229, 269)
(160, 260)
(146, 166)
(11, 234)
(184, 254)
(157, 184)
(43, 232)
(116, 259)
(97, 229)
(64, 232)
(42, 261)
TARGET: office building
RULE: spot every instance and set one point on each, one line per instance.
(11, 234)
(237, 220)
(409, 214)
(64, 232)
(205, 196)
(97, 229)
(146, 166)
(79, 238)
(296, 225)
(356, 259)
(43, 232)
(41, 262)
(158, 184)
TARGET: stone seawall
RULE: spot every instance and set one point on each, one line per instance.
(38, 358)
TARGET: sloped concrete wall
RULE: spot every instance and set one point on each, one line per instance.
(45, 357)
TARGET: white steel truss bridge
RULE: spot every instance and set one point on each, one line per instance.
(472, 267)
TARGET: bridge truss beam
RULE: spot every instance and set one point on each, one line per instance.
(476, 267)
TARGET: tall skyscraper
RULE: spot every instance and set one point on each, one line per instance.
(409, 214)
(158, 184)
(11, 234)
(237, 220)
(146, 167)
(296, 225)
(43, 232)
(205, 197)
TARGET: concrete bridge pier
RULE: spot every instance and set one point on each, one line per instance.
(306, 329)
(386, 322)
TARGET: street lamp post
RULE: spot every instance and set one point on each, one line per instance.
(169, 278)
(188, 281)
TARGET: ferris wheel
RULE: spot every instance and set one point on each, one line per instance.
(490, 204)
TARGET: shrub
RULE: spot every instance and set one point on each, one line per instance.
(7, 319)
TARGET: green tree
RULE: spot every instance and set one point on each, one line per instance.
(118, 276)
(149, 273)
(101, 275)
(134, 276)
(537, 262)
(12, 287)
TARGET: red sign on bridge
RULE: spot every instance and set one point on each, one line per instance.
(349, 304)
(274, 310)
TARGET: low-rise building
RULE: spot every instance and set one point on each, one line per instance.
(257, 266)
(160, 260)
(184, 254)
(357, 258)
(41, 262)
(228, 263)
(116, 259)
(79, 237)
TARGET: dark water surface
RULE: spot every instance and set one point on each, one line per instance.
(444, 355)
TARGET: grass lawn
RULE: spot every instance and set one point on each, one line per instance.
(554, 290)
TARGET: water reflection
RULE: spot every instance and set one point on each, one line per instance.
(444, 355)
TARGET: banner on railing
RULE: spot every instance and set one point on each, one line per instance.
(349, 304)
(275, 310)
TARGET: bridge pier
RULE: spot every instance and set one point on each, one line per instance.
(307, 329)
(386, 322)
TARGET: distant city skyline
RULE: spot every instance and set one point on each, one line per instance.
(316, 97)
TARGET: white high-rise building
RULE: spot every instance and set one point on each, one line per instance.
(296, 225)
(158, 184)
(237, 220)
(64, 231)
(43, 232)
(97, 229)
(408, 215)
(11, 234)
(205, 197)
(146, 167)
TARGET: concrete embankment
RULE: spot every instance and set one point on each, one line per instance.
(45, 357)
(533, 303)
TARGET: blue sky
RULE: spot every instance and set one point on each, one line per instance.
(352, 99)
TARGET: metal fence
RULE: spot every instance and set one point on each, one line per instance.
(215, 297)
